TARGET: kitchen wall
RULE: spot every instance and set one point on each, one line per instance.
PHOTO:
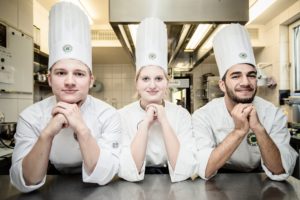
(17, 15)
(40, 20)
(118, 83)
(276, 52)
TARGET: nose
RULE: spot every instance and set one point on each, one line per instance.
(69, 80)
(152, 84)
(245, 80)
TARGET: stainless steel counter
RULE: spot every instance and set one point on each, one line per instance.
(223, 186)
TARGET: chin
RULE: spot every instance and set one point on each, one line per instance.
(244, 100)
(152, 100)
(70, 100)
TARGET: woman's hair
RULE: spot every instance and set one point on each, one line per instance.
(137, 95)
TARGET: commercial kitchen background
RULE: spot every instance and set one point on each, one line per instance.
(24, 56)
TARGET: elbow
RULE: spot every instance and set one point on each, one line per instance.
(208, 174)
(278, 171)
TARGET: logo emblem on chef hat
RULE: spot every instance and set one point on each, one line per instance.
(251, 139)
(152, 56)
(67, 48)
(243, 55)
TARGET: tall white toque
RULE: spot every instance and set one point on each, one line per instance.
(152, 44)
(232, 46)
(69, 34)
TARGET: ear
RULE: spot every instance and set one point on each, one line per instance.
(92, 81)
(222, 85)
(49, 79)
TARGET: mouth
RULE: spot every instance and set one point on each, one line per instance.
(69, 91)
(152, 92)
(245, 91)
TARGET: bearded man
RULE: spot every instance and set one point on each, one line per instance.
(240, 131)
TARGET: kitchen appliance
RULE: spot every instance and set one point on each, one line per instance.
(3, 40)
(7, 130)
(293, 103)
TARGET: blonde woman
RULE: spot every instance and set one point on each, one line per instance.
(156, 134)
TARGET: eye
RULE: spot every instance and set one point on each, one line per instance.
(235, 77)
(146, 78)
(79, 74)
(252, 75)
(158, 78)
(60, 73)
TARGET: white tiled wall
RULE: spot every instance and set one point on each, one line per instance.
(118, 84)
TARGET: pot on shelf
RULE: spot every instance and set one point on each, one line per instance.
(7, 130)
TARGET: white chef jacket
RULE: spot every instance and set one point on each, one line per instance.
(212, 123)
(102, 120)
(180, 121)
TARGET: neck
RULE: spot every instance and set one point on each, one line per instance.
(229, 103)
(79, 103)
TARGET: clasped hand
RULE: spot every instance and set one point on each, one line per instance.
(245, 118)
(65, 115)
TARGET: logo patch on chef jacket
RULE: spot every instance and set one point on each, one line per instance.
(115, 145)
(251, 139)
(152, 56)
(243, 55)
(67, 48)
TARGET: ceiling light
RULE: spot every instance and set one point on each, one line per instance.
(258, 8)
(82, 7)
(208, 43)
(123, 33)
(197, 37)
(133, 30)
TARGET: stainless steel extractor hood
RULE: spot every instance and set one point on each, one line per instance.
(182, 18)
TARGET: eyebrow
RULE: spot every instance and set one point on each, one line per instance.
(238, 73)
(59, 69)
(75, 70)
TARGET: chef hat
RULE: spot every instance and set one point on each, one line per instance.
(152, 44)
(69, 34)
(232, 46)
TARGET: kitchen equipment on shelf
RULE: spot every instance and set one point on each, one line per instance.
(42, 78)
(293, 107)
(7, 132)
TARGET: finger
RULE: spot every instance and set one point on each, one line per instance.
(247, 110)
(151, 108)
(241, 107)
(253, 111)
(56, 110)
(61, 119)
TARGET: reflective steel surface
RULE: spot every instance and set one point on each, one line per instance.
(223, 186)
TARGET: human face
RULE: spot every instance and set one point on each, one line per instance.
(151, 84)
(70, 81)
(240, 83)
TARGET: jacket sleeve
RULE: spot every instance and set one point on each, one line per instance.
(109, 144)
(25, 137)
(128, 170)
(186, 163)
(205, 142)
(281, 137)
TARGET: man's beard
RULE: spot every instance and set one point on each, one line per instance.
(236, 99)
